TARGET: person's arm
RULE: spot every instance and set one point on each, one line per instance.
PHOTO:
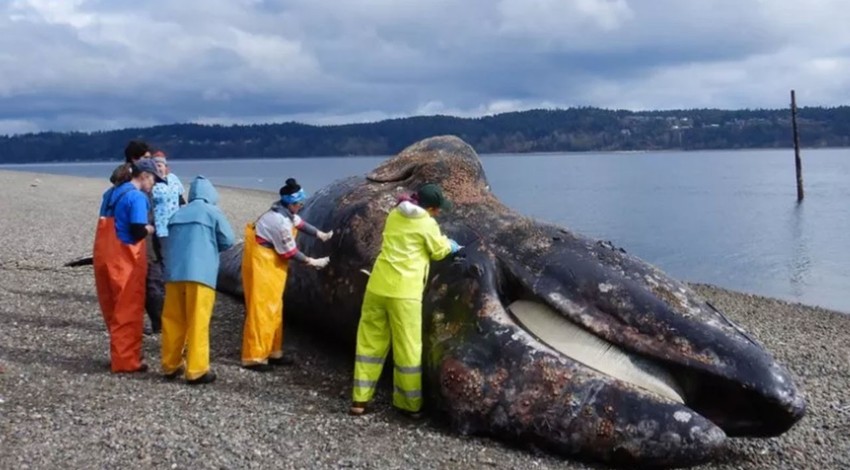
(295, 254)
(301, 257)
(140, 231)
(284, 244)
(304, 227)
(104, 201)
(224, 234)
(438, 245)
(139, 206)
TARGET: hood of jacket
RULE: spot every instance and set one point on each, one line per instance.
(411, 210)
(203, 189)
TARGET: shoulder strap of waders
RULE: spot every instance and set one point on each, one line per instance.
(110, 207)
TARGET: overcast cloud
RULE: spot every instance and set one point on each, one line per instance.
(104, 64)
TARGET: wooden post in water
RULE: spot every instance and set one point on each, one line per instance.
(797, 163)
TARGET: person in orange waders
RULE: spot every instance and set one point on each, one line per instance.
(269, 245)
(154, 293)
(105, 239)
(120, 264)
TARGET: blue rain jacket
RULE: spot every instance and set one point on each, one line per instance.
(197, 233)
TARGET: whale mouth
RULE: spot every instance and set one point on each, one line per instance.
(736, 409)
(573, 341)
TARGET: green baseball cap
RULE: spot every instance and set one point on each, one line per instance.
(431, 195)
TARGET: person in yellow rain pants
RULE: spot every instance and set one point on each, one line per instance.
(392, 305)
(197, 233)
(269, 245)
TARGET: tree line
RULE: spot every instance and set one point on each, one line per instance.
(539, 130)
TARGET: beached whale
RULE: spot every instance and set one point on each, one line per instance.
(534, 334)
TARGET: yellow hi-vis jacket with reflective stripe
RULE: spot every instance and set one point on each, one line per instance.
(411, 239)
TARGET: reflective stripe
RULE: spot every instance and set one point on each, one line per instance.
(365, 383)
(369, 359)
(413, 394)
(409, 370)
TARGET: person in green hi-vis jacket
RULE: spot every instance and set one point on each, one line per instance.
(392, 305)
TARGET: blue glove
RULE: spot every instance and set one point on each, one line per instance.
(455, 246)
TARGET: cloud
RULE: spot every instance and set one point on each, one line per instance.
(93, 64)
(556, 19)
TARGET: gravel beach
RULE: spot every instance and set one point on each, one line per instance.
(60, 407)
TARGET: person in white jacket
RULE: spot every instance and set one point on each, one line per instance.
(269, 246)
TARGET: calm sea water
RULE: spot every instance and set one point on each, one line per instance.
(728, 218)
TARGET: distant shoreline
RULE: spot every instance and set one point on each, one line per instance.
(483, 155)
(531, 131)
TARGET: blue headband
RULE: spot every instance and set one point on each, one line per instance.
(294, 198)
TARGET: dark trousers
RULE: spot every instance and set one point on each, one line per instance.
(155, 284)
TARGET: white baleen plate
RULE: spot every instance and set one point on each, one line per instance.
(577, 343)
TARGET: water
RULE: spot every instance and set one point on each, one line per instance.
(728, 218)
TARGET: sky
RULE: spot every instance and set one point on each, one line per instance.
(106, 64)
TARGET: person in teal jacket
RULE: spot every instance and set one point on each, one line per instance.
(197, 233)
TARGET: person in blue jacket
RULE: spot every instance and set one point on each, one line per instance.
(197, 233)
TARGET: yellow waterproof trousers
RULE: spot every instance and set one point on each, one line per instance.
(263, 281)
(383, 319)
(186, 322)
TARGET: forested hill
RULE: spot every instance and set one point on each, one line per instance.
(575, 129)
